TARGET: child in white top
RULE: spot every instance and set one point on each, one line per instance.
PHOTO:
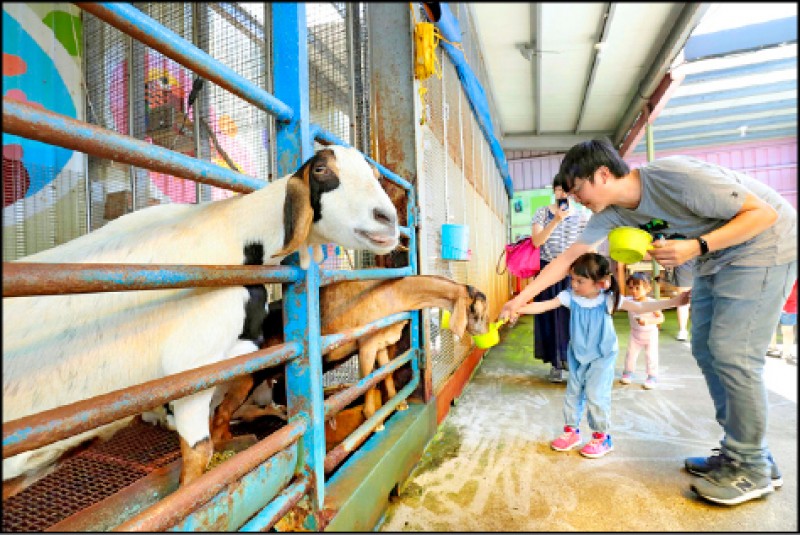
(593, 348)
(644, 332)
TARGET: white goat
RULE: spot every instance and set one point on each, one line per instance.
(62, 349)
(348, 304)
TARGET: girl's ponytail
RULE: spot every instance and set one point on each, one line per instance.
(614, 291)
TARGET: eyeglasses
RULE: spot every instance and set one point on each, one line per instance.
(578, 187)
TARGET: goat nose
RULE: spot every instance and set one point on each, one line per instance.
(383, 217)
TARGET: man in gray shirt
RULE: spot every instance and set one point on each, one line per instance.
(744, 236)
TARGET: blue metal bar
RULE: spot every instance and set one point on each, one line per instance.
(774, 65)
(335, 403)
(730, 126)
(725, 113)
(133, 22)
(50, 426)
(330, 276)
(29, 278)
(304, 376)
(42, 125)
(742, 39)
(333, 341)
(326, 137)
(713, 96)
(281, 505)
(711, 141)
(290, 72)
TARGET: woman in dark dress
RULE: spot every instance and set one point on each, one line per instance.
(555, 227)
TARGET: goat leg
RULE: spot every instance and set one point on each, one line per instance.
(237, 393)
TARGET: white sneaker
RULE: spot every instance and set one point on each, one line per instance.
(683, 335)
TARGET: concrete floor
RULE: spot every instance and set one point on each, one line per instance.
(490, 466)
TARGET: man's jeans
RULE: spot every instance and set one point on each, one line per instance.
(734, 313)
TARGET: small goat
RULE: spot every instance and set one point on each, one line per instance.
(349, 304)
(61, 349)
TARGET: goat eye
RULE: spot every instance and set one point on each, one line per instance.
(320, 170)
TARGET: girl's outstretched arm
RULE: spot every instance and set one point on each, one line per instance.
(542, 306)
(639, 307)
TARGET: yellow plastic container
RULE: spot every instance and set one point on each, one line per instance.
(490, 338)
(628, 244)
(445, 323)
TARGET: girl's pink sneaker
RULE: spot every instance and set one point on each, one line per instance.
(598, 446)
(570, 439)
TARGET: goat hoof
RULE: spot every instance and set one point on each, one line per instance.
(379, 428)
(402, 406)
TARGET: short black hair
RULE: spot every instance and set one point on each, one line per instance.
(639, 276)
(559, 182)
(586, 157)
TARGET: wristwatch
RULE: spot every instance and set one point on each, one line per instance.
(703, 245)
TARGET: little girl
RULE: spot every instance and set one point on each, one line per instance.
(644, 332)
(592, 352)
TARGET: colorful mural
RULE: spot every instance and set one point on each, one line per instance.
(41, 67)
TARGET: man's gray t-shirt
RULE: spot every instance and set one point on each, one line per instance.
(695, 197)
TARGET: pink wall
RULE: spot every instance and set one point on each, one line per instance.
(773, 162)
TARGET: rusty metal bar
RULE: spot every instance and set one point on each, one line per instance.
(277, 509)
(133, 22)
(29, 278)
(333, 341)
(362, 432)
(56, 129)
(46, 427)
(337, 402)
(190, 497)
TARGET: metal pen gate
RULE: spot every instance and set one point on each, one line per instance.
(297, 450)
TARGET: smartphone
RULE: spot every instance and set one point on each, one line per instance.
(563, 204)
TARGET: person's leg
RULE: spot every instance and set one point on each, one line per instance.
(574, 400)
(743, 315)
(651, 362)
(788, 321)
(599, 381)
(632, 354)
(683, 320)
(575, 395)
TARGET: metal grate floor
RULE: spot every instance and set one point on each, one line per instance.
(100, 471)
(91, 476)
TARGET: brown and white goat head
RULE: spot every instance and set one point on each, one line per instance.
(335, 197)
(470, 313)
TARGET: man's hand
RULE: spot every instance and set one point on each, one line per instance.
(671, 253)
(684, 298)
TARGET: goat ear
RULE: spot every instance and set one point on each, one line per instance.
(458, 319)
(297, 212)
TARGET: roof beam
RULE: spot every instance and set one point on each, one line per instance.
(548, 142)
(598, 49)
(689, 18)
(651, 110)
(536, 38)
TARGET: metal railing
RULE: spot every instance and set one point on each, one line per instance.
(301, 353)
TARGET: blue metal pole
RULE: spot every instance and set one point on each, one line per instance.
(133, 22)
(301, 300)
